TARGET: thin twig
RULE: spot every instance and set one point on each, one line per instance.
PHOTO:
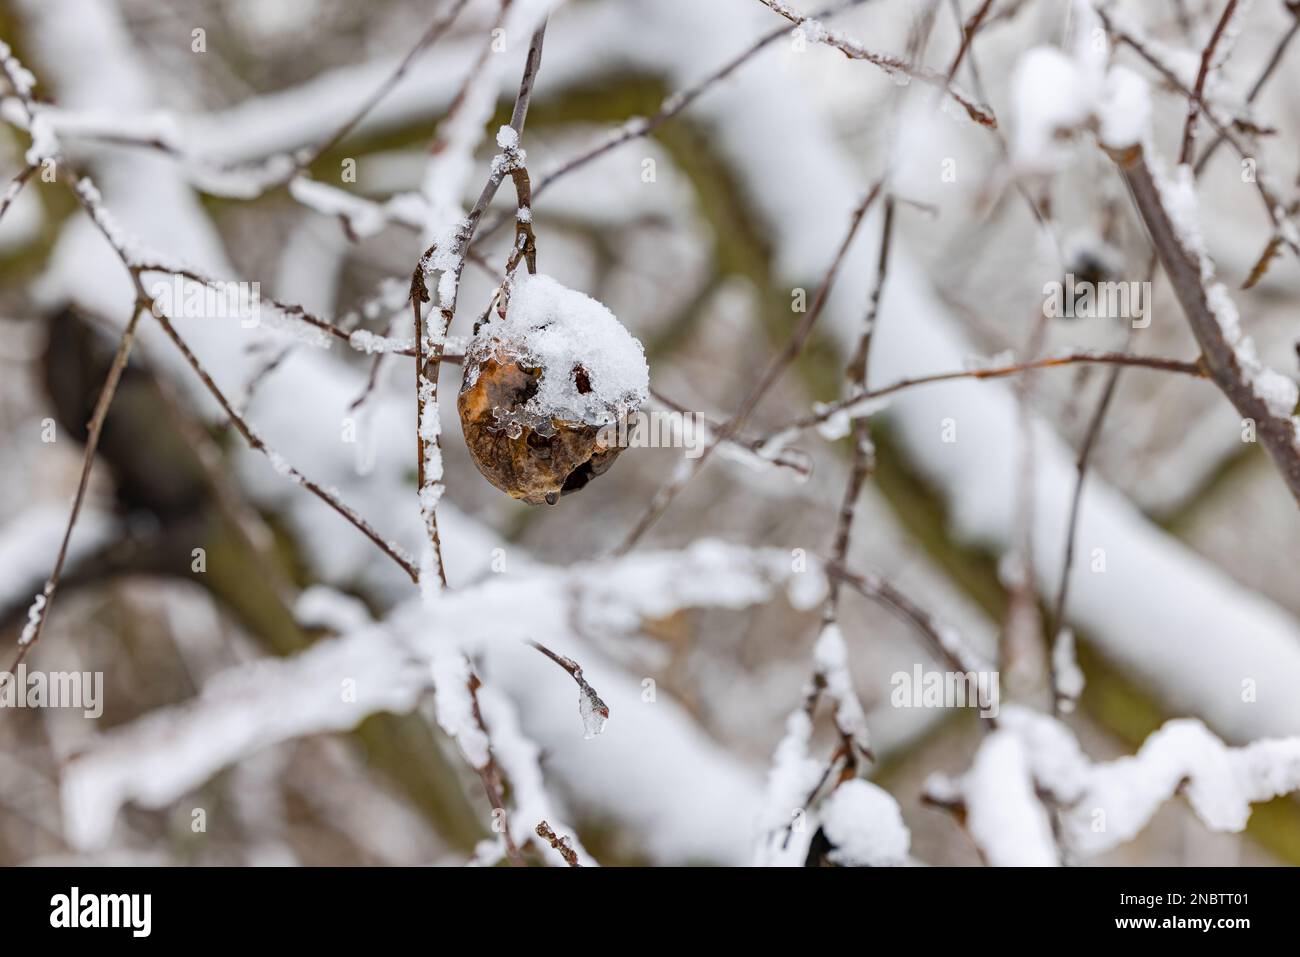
(832, 409)
(41, 608)
(255, 441)
(946, 644)
(15, 187)
(864, 459)
(287, 308)
(87, 196)
(643, 126)
(782, 458)
(1202, 75)
(435, 30)
(968, 32)
(589, 698)
(1059, 606)
(893, 66)
(668, 492)
(1274, 208)
(1265, 74)
(427, 370)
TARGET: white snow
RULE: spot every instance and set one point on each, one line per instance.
(21, 77)
(371, 343)
(455, 705)
(560, 331)
(507, 138)
(161, 756)
(1125, 109)
(30, 542)
(865, 825)
(1069, 676)
(1108, 803)
(1278, 392)
(1057, 95)
(518, 757)
(1051, 100)
(365, 218)
(831, 659)
(35, 612)
(790, 780)
(320, 606)
(667, 783)
(1003, 814)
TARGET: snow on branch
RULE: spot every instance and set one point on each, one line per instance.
(388, 666)
(1105, 804)
(154, 760)
(452, 235)
(1239, 131)
(1003, 814)
(864, 827)
(860, 818)
(1168, 207)
(520, 761)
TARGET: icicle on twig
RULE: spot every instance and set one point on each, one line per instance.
(593, 710)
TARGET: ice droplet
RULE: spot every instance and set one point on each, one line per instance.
(593, 711)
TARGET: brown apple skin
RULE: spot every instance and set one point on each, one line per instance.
(530, 466)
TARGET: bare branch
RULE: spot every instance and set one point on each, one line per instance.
(15, 187)
(942, 639)
(40, 610)
(1202, 74)
(803, 332)
(857, 405)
